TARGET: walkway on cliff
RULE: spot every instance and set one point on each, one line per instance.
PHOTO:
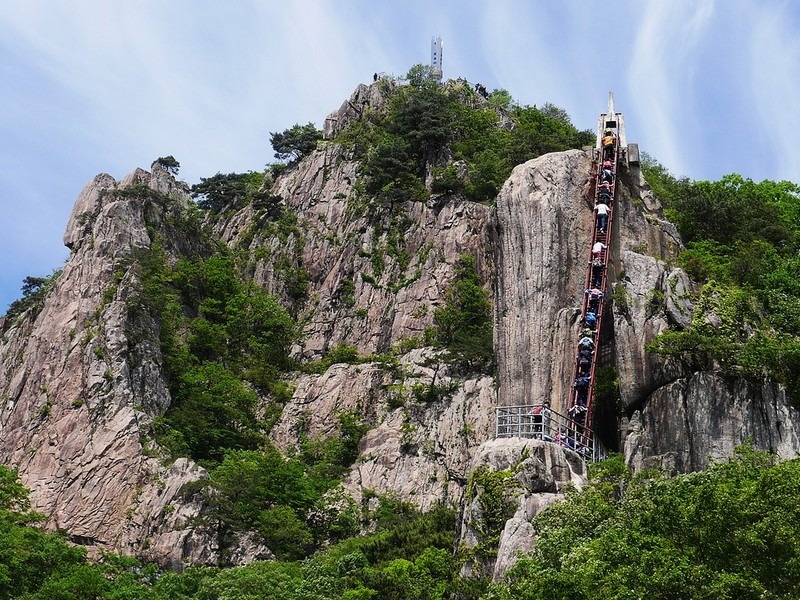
(574, 429)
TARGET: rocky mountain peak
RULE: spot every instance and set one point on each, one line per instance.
(83, 380)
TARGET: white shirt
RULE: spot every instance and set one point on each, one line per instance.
(602, 209)
(598, 247)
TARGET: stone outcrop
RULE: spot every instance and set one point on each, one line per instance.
(535, 475)
(77, 397)
(418, 449)
(363, 98)
(542, 227)
(685, 424)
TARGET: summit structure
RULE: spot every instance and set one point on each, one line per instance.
(436, 58)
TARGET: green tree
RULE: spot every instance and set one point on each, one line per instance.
(169, 163)
(464, 324)
(420, 76)
(296, 142)
(34, 293)
(214, 412)
(734, 208)
(501, 99)
(234, 190)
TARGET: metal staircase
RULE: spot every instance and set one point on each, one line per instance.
(574, 429)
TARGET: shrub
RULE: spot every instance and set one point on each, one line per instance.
(34, 293)
(464, 325)
(296, 142)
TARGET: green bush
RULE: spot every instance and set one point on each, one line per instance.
(464, 325)
(728, 532)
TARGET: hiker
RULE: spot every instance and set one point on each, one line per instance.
(595, 296)
(602, 211)
(546, 420)
(604, 194)
(537, 421)
(606, 173)
(586, 342)
(609, 142)
(597, 272)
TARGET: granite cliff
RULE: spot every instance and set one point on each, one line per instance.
(81, 380)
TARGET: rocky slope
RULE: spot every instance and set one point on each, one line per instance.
(78, 394)
(76, 402)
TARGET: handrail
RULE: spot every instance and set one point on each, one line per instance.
(537, 421)
(601, 281)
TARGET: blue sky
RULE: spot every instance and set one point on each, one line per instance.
(708, 87)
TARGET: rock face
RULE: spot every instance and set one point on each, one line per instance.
(533, 476)
(417, 449)
(542, 227)
(77, 393)
(709, 416)
(364, 98)
(75, 402)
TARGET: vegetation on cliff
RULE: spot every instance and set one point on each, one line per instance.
(732, 531)
(464, 324)
(222, 340)
(464, 143)
(742, 240)
(728, 532)
(34, 292)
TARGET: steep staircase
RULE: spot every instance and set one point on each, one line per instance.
(574, 429)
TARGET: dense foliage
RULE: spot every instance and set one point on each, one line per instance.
(222, 340)
(742, 246)
(294, 502)
(426, 127)
(41, 566)
(732, 531)
(408, 556)
(464, 324)
(225, 345)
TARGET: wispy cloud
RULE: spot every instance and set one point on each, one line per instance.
(774, 84)
(661, 71)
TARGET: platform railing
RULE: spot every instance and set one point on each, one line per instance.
(539, 422)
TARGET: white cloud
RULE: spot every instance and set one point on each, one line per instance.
(660, 74)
